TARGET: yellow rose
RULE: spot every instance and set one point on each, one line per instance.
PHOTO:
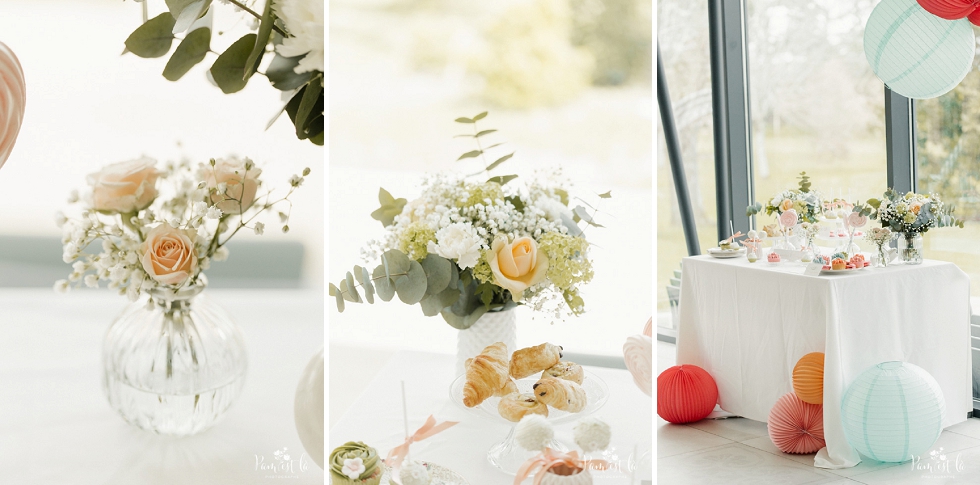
(168, 254)
(786, 205)
(124, 187)
(240, 183)
(518, 265)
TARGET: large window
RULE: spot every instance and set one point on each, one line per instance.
(948, 163)
(816, 104)
(683, 38)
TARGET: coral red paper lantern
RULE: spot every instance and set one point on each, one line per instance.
(796, 426)
(953, 9)
(685, 393)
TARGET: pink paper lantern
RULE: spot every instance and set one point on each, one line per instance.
(13, 96)
(796, 426)
(685, 393)
(638, 355)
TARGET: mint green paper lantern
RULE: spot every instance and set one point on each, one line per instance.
(916, 53)
(893, 411)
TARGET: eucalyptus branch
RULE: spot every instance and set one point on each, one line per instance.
(373, 279)
(479, 146)
(256, 15)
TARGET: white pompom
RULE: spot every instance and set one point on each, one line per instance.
(414, 473)
(534, 432)
(591, 434)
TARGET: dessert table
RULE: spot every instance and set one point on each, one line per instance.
(376, 419)
(748, 324)
(57, 428)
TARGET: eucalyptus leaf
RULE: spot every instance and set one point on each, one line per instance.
(606, 195)
(472, 154)
(186, 12)
(228, 70)
(397, 262)
(464, 120)
(384, 286)
(352, 288)
(411, 288)
(261, 40)
(480, 116)
(484, 132)
(390, 208)
(502, 179)
(467, 302)
(311, 96)
(497, 162)
(332, 290)
(349, 292)
(516, 201)
(366, 283)
(282, 74)
(465, 321)
(562, 195)
(438, 273)
(569, 223)
(191, 51)
(152, 39)
(340, 302)
(432, 305)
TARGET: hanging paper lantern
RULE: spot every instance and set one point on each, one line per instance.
(796, 426)
(953, 9)
(808, 378)
(893, 411)
(685, 393)
(916, 53)
(13, 95)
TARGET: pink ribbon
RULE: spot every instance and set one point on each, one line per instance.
(549, 459)
(430, 428)
(733, 236)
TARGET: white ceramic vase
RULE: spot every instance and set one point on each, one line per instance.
(308, 408)
(492, 327)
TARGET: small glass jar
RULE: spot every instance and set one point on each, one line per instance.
(910, 248)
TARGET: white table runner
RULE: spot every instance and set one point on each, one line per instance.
(748, 324)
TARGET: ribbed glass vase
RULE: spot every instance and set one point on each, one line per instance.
(174, 367)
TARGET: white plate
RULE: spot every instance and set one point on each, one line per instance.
(841, 271)
(726, 253)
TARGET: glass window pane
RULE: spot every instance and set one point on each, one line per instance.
(816, 104)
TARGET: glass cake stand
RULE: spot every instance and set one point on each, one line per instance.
(507, 455)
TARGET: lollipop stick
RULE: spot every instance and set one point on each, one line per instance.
(405, 409)
(731, 226)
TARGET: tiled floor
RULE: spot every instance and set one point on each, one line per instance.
(738, 451)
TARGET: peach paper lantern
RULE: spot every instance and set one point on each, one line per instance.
(808, 378)
(796, 426)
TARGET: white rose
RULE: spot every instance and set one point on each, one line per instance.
(459, 242)
(304, 21)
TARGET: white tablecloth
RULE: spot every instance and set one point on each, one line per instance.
(376, 419)
(56, 426)
(748, 324)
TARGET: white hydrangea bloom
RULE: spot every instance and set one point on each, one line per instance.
(459, 242)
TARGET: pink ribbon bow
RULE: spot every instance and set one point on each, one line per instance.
(398, 453)
(733, 236)
(953, 9)
(549, 459)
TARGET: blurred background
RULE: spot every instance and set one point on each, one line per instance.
(816, 106)
(566, 82)
(88, 106)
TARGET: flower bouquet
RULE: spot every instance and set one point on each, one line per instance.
(290, 30)
(880, 236)
(475, 245)
(175, 362)
(912, 215)
(805, 202)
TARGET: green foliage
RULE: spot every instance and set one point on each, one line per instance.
(804, 182)
(261, 40)
(152, 39)
(390, 208)
(185, 12)
(753, 209)
(502, 179)
(191, 51)
(228, 70)
(281, 73)
(498, 161)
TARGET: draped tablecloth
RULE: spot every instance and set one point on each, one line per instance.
(56, 426)
(748, 324)
(376, 419)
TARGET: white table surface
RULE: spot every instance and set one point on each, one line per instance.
(56, 426)
(748, 324)
(376, 419)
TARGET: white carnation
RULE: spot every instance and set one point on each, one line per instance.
(591, 434)
(459, 242)
(534, 432)
(304, 21)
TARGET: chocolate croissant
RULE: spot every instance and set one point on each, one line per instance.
(570, 371)
(485, 374)
(529, 361)
(561, 394)
(514, 406)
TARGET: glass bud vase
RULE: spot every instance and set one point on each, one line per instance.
(175, 365)
(881, 259)
(910, 248)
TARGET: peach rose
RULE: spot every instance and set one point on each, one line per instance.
(124, 187)
(518, 265)
(786, 205)
(915, 208)
(168, 254)
(241, 183)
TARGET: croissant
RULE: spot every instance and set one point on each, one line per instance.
(516, 405)
(561, 394)
(485, 374)
(569, 371)
(510, 387)
(532, 360)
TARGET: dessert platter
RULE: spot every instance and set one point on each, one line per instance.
(423, 470)
(728, 248)
(839, 263)
(532, 380)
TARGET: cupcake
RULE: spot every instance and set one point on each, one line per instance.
(858, 261)
(838, 264)
(773, 257)
(355, 463)
(728, 245)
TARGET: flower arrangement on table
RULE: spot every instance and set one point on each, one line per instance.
(163, 237)
(911, 215)
(469, 245)
(805, 202)
(879, 236)
(290, 30)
